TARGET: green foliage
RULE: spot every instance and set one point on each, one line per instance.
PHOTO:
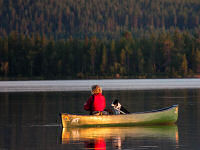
(167, 55)
(184, 66)
(64, 18)
(104, 60)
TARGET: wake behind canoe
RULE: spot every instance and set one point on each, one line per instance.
(167, 115)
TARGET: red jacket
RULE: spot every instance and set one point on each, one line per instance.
(96, 102)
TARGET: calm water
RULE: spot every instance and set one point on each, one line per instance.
(30, 120)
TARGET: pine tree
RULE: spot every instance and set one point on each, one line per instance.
(184, 66)
(197, 61)
(92, 52)
(104, 60)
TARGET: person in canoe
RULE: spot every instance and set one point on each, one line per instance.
(96, 102)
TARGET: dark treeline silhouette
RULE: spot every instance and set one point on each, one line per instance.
(101, 18)
(168, 54)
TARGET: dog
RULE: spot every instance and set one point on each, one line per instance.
(118, 108)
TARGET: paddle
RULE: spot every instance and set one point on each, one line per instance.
(120, 111)
(117, 109)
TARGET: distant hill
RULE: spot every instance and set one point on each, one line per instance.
(103, 18)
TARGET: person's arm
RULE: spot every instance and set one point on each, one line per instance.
(104, 105)
(87, 105)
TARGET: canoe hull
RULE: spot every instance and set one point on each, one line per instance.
(163, 116)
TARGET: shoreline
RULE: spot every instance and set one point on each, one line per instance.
(107, 84)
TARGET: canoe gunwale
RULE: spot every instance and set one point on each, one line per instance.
(157, 110)
(152, 111)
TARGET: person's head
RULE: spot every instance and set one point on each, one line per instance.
(96, 89)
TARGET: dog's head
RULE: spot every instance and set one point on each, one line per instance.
(115, 102)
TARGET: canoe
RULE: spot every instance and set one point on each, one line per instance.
(167, 115)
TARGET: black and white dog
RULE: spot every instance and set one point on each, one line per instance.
(118, 108)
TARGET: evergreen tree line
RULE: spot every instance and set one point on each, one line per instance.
(169, 54)
(101, 18)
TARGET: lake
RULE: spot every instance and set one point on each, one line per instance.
(29, 114)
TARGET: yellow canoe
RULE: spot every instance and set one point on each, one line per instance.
(167, 115)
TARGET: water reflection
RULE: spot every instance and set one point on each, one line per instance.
(30, 120)
(96, 137)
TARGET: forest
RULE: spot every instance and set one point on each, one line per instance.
(60, 19)
(168, 55)
(86, 39)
